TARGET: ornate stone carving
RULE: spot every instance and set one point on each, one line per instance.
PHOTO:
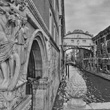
(10, 99)
(12, 23)
(23, 41)
(76, 89)
(76, 86)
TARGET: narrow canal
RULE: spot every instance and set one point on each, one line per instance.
(98, 89)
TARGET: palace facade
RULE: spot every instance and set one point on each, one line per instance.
(31, 34)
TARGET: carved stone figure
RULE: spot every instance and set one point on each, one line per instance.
(9, 32)
(23, 41)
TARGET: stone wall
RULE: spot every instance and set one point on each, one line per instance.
(43, 8)
(102, 50)
(24, 44)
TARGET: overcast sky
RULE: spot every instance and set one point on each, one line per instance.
(88, 15)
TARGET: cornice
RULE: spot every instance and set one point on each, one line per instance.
(76, 38)
(102, 33)
(79, 33)
(38, 17)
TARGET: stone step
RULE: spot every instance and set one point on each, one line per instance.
(92, 106)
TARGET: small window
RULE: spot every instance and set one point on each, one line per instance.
(101, 51)
(84, 40)
(108, 37)
(92, 65)
(77, 41)
(108, 67)
(72, 40)
(101, 66)
(101, 40)
(78, 36)
(108, 49)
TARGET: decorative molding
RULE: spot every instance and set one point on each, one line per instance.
(79, 32)
(38, 17)
(102, 33)
(76, 38)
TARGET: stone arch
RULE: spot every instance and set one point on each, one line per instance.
(37, 37)
(36, 62)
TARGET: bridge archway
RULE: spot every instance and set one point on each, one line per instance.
(36, 62)
(72, 58)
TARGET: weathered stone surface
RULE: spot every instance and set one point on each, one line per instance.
(86, 107)
(12, 27)
(12, 23)
(105, 105)
(10, 99)
(76, 86)
(22, 32)
(76, 90)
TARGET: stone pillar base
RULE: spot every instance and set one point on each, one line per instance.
(76, 104)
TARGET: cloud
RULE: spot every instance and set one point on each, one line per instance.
(93, 2)
(88, 15)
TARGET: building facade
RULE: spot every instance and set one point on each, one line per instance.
(30, 53)
(97, 60)
(102, 51)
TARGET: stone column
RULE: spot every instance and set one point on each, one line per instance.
(41, 100)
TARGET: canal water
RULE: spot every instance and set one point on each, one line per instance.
(98, 89)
